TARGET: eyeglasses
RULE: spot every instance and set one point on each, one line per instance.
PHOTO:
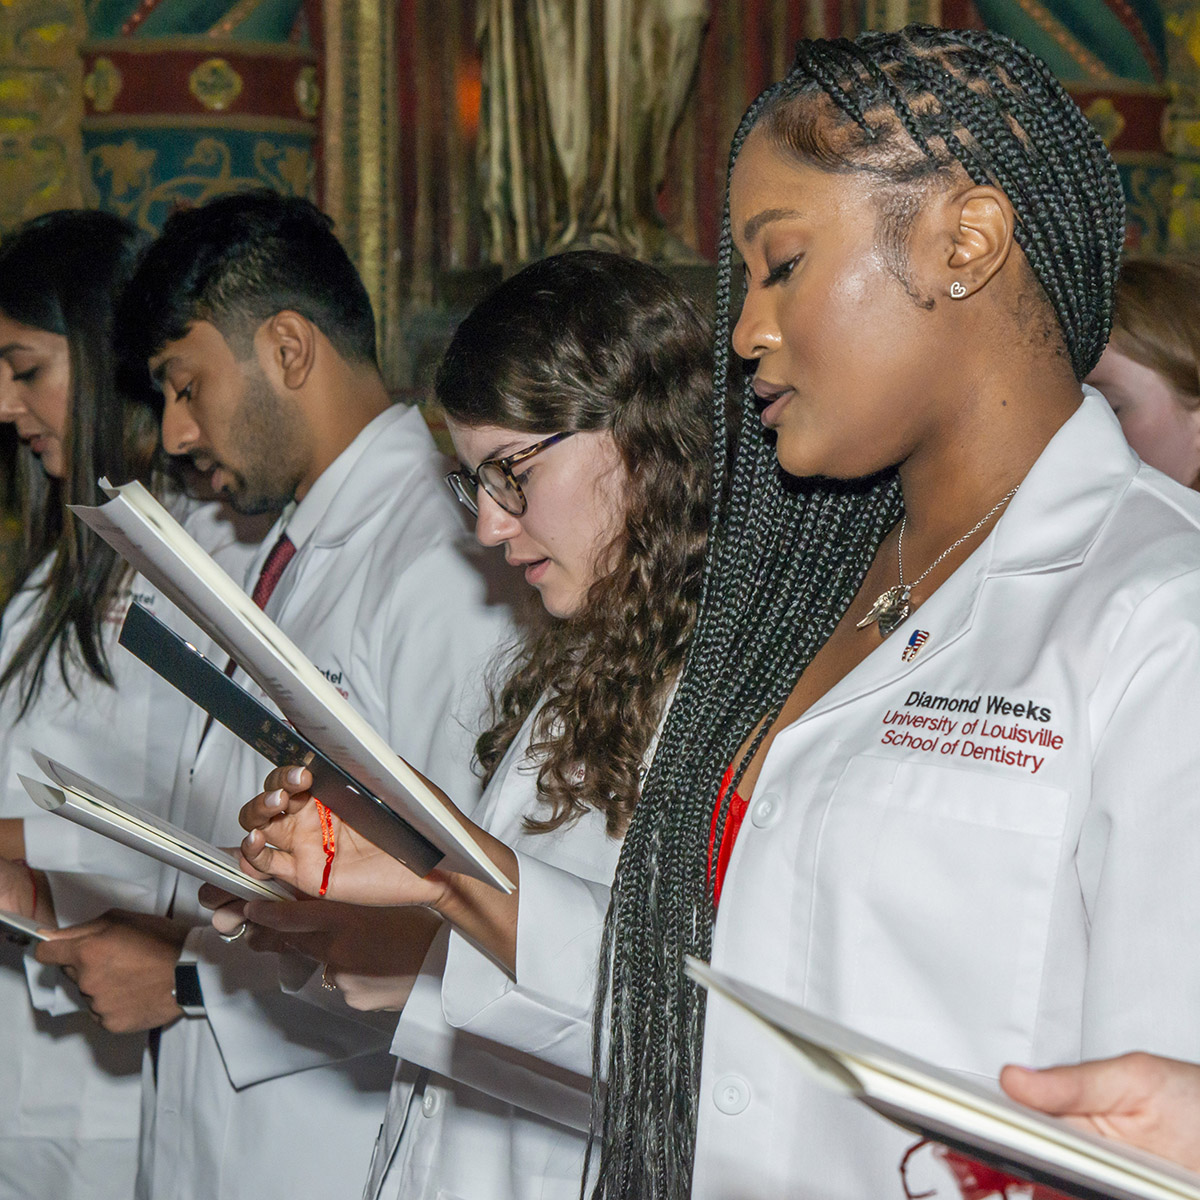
(496, 478)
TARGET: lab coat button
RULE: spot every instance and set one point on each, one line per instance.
(431, 1101)
(731, 1095)
(765, 811)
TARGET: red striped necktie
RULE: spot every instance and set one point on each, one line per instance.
(277, 560)
(268, 577)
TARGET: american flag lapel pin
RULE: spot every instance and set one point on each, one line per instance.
(918, 639)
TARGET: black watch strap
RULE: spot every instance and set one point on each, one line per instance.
(188, 995)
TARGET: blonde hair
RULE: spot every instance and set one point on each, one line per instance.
(1157, 321)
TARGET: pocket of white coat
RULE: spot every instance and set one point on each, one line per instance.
(932, 908)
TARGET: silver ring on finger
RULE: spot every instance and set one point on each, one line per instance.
(233, 937)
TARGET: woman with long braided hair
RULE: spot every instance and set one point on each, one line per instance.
(949, 653)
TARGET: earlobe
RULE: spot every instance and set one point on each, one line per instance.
(290, 347)
(981, 239)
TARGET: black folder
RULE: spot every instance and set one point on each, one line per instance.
(185, 668)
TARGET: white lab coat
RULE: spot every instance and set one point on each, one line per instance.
(1035, 903)
(69, 1107)
(468, 1117)
(385, 596)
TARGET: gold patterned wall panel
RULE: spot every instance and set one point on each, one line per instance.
(361, 155)
(1182, 124)
(41, 103)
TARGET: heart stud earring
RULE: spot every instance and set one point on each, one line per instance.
(957, 290)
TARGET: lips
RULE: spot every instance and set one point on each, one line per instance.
(534, 568)
(773, 397)
(769, 392)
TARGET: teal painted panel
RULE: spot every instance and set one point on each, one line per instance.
(142, 173)
(1090, 22)
(1148, 202)
(267, 21)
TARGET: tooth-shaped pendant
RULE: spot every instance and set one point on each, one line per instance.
(889, 610)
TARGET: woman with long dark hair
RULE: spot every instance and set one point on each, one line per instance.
(70, 1110)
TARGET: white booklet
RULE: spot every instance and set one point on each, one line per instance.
(938, 1104)
(93, 807)
(149, 538)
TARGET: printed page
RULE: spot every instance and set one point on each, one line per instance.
(957, 1111)
(87, 804)
(146, 535)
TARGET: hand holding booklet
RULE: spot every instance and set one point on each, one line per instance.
(150, 539)
(88, 804)
(947, 1108)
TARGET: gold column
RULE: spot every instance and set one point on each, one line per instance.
(41, 107)
(361, 146)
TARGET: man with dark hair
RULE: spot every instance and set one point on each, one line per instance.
(260, 335)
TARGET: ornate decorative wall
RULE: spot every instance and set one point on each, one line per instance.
(185, 99)
(361, 155)
(41, 103)
(1182, 123)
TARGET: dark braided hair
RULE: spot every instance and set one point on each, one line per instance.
(786, 557)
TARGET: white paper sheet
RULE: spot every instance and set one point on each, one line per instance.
(88, 804)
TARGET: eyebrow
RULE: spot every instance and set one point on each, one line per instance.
(159, 373)
(753, 226)
(8, 349)
(501, 451)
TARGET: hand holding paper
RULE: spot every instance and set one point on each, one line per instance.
(124, 965)
(149, 538)
(286, 841)
(975, 1120)
(1143, 1100)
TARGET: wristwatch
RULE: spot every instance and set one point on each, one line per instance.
(187, 991)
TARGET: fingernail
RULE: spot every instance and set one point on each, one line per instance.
(276, 799)
(295, 775)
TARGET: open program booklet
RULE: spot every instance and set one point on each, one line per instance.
(938, 1104)
(150, 539)
(88, 804)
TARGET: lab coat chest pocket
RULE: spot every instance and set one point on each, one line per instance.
(932, 900)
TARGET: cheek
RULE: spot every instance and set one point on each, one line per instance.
(1163, 434)
(49, 401)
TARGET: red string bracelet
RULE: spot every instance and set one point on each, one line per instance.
(327, 843)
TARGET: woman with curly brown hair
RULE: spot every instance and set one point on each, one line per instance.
(577, 396)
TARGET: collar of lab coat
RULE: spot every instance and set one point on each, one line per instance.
(401, 451)
(1052, 521)
(1068, 495)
